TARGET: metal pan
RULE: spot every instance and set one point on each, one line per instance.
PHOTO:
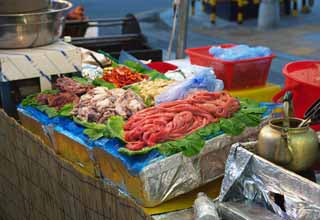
(33, 29)
(21, 6)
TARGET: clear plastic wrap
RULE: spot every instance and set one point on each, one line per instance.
(204, 80)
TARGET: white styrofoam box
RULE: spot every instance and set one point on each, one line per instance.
(53, 59)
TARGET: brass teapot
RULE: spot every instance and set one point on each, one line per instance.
(283, 142)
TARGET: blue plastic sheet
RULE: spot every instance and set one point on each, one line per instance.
(134, 164)
(74, 131)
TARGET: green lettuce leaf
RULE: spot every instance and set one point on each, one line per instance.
(231, 126)
(115, 127)
(30, 101)
(49, 111)
(143, 151)
(66, 110)
(90, 125)
(137, 67)
(103, 83)
(93, 134)
(81, 80)
(248, 103)
(190, 145)
(210, 129)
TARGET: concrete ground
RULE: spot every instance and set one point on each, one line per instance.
(296, 38)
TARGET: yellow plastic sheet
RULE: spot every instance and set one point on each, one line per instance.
(185, 201)
(260, 94)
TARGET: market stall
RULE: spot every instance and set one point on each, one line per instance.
(61, 119)
(106, 138)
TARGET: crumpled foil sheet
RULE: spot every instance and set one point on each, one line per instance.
(177, 174)
(250, 177)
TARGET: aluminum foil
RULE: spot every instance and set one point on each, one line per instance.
(249, 177)
(177, 174)
(227, 210)
(204, 208)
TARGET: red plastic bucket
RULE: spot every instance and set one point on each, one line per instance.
(303, 80)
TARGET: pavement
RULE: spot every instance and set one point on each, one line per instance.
(295, 38)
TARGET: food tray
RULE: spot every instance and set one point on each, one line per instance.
(240, 74)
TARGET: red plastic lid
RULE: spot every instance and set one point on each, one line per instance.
(306, 72)
(162, 67)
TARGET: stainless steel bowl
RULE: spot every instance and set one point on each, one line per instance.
(33, 29)
(20, 6)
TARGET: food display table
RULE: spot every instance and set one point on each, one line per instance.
(89, 168)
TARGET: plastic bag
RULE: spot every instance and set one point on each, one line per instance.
(91, 71)
(204, 80)
(239, 52)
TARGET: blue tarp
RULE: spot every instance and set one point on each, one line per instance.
(66, 126)
(134, 164)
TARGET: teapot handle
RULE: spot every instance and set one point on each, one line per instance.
(285, 136)
(280, 94)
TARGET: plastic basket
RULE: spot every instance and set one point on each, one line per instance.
(240, 74)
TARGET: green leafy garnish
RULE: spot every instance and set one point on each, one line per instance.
(112, 128)
(143, 151)
(93, 133)
(101, 82)
(81, 80)
(248, 103)
(115, 127)
(30, 101)
(66, 110)
(49, 111)
(91, 125)
(137, 67)
(189, 146)
(210, 129)
(114, 60)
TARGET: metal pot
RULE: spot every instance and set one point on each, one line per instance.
(294, 148)
(21, 6)
(33, 29)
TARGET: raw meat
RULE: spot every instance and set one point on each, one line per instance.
(173, 120)
(66, 84)
(57, 100)
(100, 103)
